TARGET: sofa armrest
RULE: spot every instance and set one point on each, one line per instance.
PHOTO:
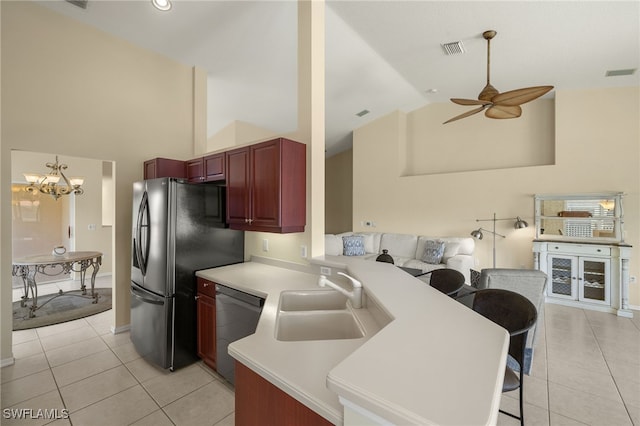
(463, 263)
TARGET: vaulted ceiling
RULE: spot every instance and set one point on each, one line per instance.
(380, 55)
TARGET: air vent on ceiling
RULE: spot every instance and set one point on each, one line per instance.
(363, 113)
(453, 48)
(79, 3)
(616, 73)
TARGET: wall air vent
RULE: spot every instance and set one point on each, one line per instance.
(454, 48)
(363, 113)
(79, 3)
(617, 73)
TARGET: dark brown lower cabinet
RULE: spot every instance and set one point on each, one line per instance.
(206, 306)
(258, 402)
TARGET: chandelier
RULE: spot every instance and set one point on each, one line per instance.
(48, 184)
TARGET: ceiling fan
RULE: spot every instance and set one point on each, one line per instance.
(496, 104)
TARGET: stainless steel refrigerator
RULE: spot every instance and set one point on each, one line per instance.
(178, 228)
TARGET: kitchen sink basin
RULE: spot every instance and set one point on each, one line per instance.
(318, 325)
(312, 300)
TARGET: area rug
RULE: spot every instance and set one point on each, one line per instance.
(67, 307)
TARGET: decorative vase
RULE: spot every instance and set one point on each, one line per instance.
(385, 257)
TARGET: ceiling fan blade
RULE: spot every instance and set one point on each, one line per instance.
(469, 101)
(466, 114)
(520, 96)
(502, 111)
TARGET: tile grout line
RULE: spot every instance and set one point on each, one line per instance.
(615, 382)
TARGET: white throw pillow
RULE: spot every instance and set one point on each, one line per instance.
(332, 245)
(450, 250)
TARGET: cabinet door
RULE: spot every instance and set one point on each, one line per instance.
(214, 167)
(238, 188)
(195, 170)
(206, 307)
(265, 184)
(163, 167)
(563, 271)
(150, 169)
(594, 280)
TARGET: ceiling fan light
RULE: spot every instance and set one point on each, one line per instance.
(163, 5)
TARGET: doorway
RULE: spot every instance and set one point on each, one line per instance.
(77, 222)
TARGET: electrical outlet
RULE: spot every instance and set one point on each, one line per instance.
(92, 227)
(325, 271)
(265, 245)
(303, 252)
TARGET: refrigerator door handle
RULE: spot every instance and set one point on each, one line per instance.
(142, 248)
(144, 299)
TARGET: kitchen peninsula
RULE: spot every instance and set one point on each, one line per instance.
(422, 358)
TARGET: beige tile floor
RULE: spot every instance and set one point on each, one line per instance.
(586, 372)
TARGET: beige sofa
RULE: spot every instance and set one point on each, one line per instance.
(406, 250)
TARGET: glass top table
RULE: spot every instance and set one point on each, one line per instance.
(47, 264)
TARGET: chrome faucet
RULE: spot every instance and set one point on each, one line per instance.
(355, 296)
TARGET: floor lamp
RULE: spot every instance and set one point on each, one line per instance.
(477, 234)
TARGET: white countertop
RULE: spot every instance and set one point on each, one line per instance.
(436, 362)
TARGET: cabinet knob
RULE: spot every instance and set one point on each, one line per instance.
(206, 284)
(197, 297)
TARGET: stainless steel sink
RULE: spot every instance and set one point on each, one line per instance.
(316, 315)
(312, 300)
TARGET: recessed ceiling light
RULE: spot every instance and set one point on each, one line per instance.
(616, 73)
(431, 91)
(363, 113)
(161, 4)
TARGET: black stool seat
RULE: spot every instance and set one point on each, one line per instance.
(447, 281)
(517, 315)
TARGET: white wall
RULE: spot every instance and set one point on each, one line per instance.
(73, 90)
(596, 149)
(339, 192)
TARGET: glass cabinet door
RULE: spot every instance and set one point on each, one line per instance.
(563, 273)
(594, 285)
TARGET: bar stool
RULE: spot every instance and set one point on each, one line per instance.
(517, 315)
(447, 281)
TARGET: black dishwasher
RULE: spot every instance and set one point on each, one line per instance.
(237, 315)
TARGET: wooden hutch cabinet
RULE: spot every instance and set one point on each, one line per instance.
(266, 187)
(580, 245)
